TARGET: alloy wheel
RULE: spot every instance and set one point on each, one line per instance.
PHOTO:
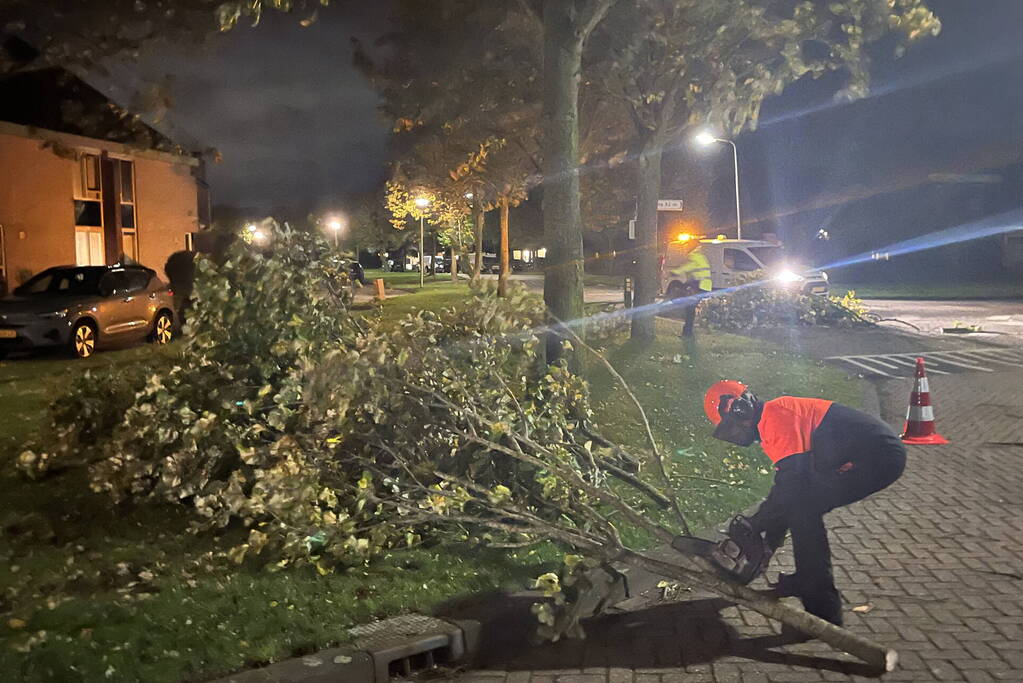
(163, 332)
(85, 341)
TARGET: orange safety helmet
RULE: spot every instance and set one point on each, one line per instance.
(712, 399)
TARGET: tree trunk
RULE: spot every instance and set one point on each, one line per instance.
(502, 278)
(648, 182)
(562, 223)
(454, 264)
(477, 231)
(879, 656)
(433, 253)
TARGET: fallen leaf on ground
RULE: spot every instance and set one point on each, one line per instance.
(863, 608)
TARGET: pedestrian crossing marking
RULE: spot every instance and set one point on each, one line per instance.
(892, 365)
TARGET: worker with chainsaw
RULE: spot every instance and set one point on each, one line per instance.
(825, 456)
(695, 273)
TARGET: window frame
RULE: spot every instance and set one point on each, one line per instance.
(133, 231)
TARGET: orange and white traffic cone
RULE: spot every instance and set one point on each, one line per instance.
(920, 416)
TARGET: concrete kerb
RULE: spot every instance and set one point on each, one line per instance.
(402, 645)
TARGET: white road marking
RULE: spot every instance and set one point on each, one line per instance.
(949, 357)
(1006, 357)
(853, 361)
(909, 360)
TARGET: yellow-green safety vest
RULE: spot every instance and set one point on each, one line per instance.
(696, 267)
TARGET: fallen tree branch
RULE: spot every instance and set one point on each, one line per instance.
(658, 458)
(702, 573)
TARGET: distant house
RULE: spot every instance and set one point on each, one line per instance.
(81, 183)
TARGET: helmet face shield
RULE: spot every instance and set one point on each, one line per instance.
(741, 432)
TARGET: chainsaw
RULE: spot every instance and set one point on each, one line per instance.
(741, 556)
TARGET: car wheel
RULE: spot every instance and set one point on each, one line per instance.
(83, 340)
(163, 328)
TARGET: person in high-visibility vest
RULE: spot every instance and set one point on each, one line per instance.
(695, 272)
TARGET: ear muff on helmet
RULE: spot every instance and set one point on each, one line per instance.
(741, 407)
(712, 399)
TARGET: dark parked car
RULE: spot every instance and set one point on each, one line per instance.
(82, 308)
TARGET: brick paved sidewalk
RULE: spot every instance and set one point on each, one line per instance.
(936, 561)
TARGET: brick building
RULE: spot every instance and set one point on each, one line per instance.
(83, 183)
(67, 199)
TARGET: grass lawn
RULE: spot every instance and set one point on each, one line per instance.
(592, 280)
(669, 378)
(406, 280)
(93, 591)
(940, 290)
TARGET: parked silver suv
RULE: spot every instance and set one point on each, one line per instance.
(82, 308)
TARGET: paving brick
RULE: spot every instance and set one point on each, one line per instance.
(924, 554)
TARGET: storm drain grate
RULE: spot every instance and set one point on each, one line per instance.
(402, 646)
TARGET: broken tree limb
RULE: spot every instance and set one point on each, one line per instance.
(699, 571)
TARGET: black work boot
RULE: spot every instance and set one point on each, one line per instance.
(787, 586)
(825, 604)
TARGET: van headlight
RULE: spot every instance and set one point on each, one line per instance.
(824, 275)
(788, 276)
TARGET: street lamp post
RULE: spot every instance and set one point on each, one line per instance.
(335, 225)
(422, 203)
(706, 139)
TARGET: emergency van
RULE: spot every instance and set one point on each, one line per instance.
(732, 262)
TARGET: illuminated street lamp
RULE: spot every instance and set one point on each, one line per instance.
(705, 139)
(335, 225)
(422, 203)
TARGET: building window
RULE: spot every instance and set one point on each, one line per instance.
(88, 195)
(3, 263)
(126, 205)
(88, 213)
(89, 247)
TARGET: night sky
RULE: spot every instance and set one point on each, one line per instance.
(296, 124)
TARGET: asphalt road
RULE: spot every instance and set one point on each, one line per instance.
(999, 321)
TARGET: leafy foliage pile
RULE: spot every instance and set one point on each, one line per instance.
(293, 418)
(751, 306)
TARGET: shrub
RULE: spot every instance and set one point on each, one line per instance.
(750, 306)
(284, 412)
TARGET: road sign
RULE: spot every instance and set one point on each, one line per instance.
(669, 204)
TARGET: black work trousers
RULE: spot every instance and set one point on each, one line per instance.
(692, 288)
(809, 485)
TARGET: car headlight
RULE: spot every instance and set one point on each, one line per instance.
(788, 276)
(55, 314)
(824, 275)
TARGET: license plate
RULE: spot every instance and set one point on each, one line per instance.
(819, 290)
(8, 334)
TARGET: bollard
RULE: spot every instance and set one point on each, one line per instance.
(627, 293)
(379, 282)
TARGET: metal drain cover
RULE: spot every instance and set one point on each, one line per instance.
(408, 643)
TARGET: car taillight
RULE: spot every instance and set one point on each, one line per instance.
(170, 291)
